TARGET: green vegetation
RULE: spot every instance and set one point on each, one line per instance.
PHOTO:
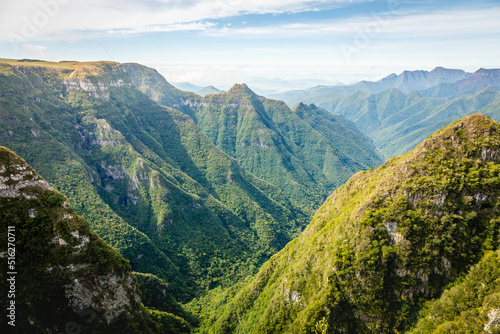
(157, 295)
(306, 152)
(205, 200)
(145, 177)
(66, 276)
(397, 122)
(339, 150)
(470, 306)
(152, 184)
(381, 246)
(163, 322)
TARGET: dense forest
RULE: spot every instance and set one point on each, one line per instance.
(385, 244)
(234, 213)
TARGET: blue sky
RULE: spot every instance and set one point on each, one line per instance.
(226, 41)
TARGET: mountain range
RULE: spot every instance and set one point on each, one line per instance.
(144, 176)
(188, 87)
(399, 111)
(153, 185)
(406, 82)
(263, 86)
(268, 139)
(229, 212)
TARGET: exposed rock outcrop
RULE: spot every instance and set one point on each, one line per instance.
(61, 269)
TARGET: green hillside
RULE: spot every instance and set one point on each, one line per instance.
(61, 275)
(397, 122)
(411, 125)
(209, 197)
(237, 122)
(399, 111)
(145, 177)
(153, 84)
(276, 144)
(208, 90)
(382, 245)
(471, 305)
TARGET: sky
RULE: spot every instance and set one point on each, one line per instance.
(265, 42)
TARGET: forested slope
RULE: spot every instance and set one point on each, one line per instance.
(381, 245)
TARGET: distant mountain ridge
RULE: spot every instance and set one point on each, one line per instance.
(396, 119)
(397, 122)
(479, 80)
(409, 81)
(440, 82)
(186, 86)
(209, 90)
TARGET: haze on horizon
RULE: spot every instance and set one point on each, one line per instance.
(226, 41)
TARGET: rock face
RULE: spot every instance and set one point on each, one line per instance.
(97, 89)
(384, 243)
(65, 276)
(19, 182)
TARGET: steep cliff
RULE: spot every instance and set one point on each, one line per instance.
(60, 275)
(305, 152)
(144, 176)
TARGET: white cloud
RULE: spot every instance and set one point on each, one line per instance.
(58, 19)
(35, 20)
(200, 26)
(457, 22)
(403, 40)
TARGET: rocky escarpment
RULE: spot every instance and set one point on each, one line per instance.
(64, 275)
(144, 176)
(94, 88)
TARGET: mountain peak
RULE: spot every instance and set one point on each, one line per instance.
(241, 88)
(443, 69)
(488, 71)
(465, 135)
(476, 122)
(208, 90)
